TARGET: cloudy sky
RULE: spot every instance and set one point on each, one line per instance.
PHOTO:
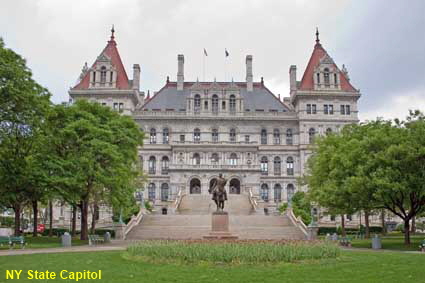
(382, 43)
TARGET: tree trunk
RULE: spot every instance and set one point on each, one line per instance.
(406, 232)
(384, 227)
(35, 222)
(17, 210)
(74, 220)
(50, 218)
(84, 220)
(413, 228)
(366, 223)
(343, 234)
(93, 218)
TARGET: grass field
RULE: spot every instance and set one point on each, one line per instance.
(391, 243)
(351, 266)
(45, 242)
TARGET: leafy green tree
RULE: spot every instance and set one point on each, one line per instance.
(301, 206)
(23, 106)
(93, 156)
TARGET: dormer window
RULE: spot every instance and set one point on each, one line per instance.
(197, 103)
(318, 78)
(326, 77)
(103, 75)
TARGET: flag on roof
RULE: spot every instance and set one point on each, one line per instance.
(205, 52)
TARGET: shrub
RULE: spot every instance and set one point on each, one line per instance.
(7, 221)
(232, 251)
(283, 207)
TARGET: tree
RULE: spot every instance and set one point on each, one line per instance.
(326, 176)
(23, 105)
(94, 152)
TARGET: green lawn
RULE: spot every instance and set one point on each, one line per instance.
(391, 243)
(45, 242)
(349, 267)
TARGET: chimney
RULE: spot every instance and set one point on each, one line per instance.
(249, 84)
(293, 77)
(136, 76)
(180, 71)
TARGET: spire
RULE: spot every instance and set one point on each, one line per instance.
(112, 33)
(317, 36)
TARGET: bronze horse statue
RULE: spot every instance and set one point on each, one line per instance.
(219, 194)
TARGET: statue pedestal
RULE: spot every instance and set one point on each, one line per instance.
(220, 227)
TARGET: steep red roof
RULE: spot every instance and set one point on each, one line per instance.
(307, 82)
(111, 51)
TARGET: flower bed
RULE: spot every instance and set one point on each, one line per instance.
(237, 251)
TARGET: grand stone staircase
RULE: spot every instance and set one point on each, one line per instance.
(193, 221)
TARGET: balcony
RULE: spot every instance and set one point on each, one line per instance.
(214, 167)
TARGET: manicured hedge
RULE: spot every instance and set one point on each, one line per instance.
(331, 230)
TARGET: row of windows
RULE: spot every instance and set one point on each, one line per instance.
(326, 78)
(328, 109)
(277, 192)
(103, 73)
(165, 192)
(233, 160)
(215, 136)
(214, 103)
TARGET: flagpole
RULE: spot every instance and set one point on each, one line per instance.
(203, 67)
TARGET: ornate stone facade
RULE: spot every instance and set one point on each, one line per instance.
(196, 130)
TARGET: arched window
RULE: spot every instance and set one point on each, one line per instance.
(276, 136)
(197, 103)
(214, 135)
(197, 136)
(103, 75)
(264, 166)
(289, 137)
(277, 193)
(196, 160)
(214, 104)
(214, 158)
(328, 131)
(289, 166)
(164, 192)
(151, 191)
(165, 136)
(311, 134)
(233, 159)
(164, 165)
(263, 136)
(152, 136)
(152, 165)
(277, 166)
(290, 192)
(264, 192)
(232, 103)
(232, 135)
(326, 77)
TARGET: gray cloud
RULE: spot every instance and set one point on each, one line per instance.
(382, 43)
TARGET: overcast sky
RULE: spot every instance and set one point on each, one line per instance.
(382, 43)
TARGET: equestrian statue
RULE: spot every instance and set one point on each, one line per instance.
(219, 194)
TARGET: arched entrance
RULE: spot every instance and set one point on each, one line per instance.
(234, 186)
(195, 186)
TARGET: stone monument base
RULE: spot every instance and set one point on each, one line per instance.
(220, 227)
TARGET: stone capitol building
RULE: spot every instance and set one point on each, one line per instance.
(195, 130)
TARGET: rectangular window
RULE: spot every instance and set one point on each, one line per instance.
(313, 109)
(115, 106)
(103, 103)
(121, 107)
(206, 105)
(325, 109)
(223, 105)
(308, 108)
(347, 110)
(342, 109)
(181, 138)
(331, 109)
(247, 139)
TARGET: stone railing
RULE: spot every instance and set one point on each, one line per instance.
(134, 221)
(252, 199)
(214, 167)
(298, 222)
(178, 200)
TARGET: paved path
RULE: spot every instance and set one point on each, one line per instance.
(115, 246)
(380, 250)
